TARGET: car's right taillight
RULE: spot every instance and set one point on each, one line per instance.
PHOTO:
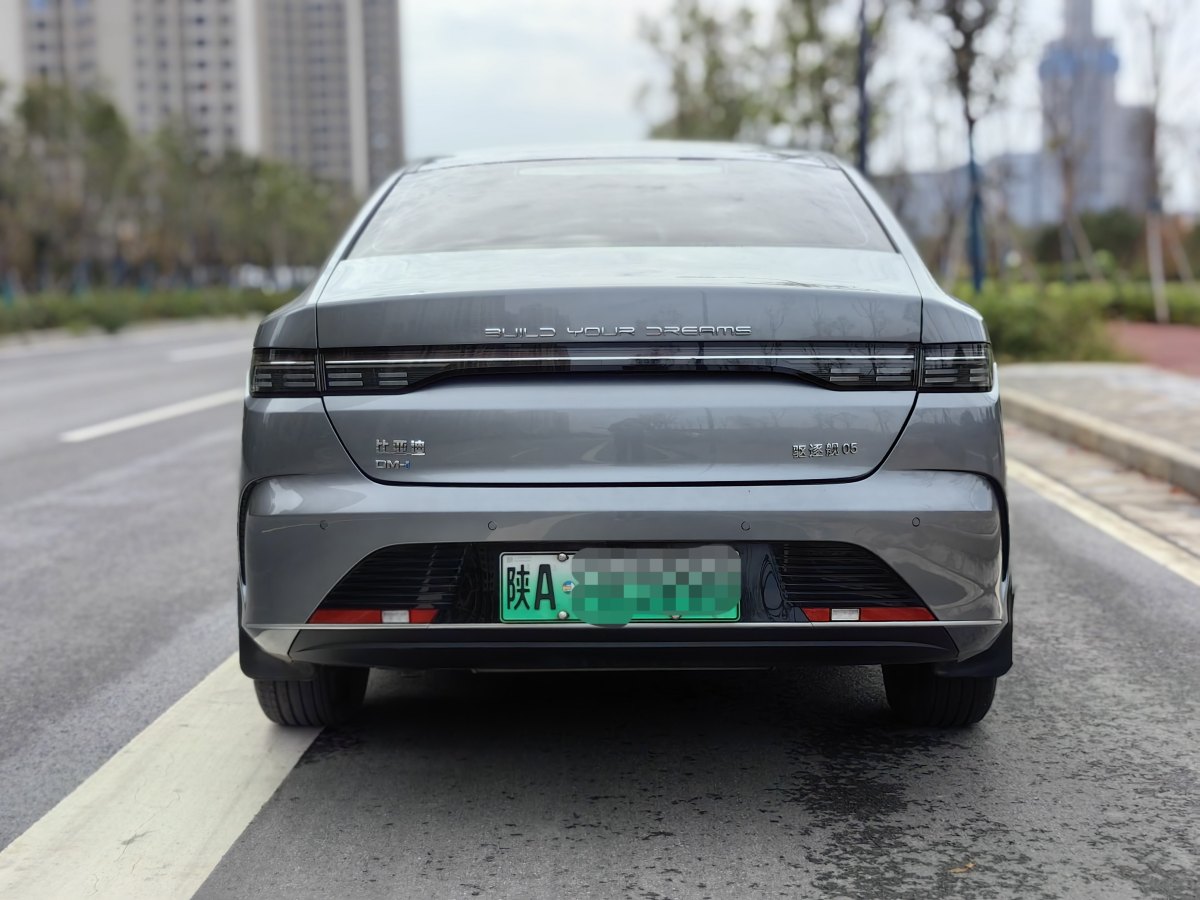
(284, 373)
(956, 367)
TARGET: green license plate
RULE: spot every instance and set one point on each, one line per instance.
(606, 586)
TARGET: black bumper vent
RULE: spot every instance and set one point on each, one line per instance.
(459, 580)
(401, 577)
(818, 573)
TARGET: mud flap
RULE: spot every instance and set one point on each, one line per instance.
(993, 662)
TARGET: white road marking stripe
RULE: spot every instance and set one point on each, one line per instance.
(150, 416)
(211, 351)
(155, 820)
(1162, 551)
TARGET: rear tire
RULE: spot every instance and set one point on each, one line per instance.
(918, 696)
(332, 697)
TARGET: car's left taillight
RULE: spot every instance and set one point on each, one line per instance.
(956, 367)
(285, 373)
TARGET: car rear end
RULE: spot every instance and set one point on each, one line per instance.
(625, 411)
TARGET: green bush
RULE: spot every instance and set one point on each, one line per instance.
(1055, 325)
(1135, 302)
(1067, 321)
(112, 310)
(1130, 300)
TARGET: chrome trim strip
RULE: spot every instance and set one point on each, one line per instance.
(488, 626)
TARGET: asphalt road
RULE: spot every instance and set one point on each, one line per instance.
(118, 562)
(117, 556)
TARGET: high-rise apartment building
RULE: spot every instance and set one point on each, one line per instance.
(382, 87)
(60, 41)
(312, 82)
(161, 61)
(330, 88)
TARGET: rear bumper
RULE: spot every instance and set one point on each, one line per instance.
(504, 647)
(640, 647)
(941, 531)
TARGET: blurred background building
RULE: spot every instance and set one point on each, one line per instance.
(160, 61)
(1093, 154)
(330, 87)
(313, 83)
(1089, 137)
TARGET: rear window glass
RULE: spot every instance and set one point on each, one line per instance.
(621, 203)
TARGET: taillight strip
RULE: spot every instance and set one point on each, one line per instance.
(623, 358)
(840, 366)
(836, 365)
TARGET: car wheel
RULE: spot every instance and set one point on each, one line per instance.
(920, 697)
(333, 695)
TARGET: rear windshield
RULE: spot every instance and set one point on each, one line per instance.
(621, 203)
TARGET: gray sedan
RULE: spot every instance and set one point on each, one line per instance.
(658, 406)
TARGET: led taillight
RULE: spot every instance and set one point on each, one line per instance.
(284, 373)
(956, 367)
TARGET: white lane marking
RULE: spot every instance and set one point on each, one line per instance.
(155, 820)
(150, 416)
(211, 351)
(1162, 551)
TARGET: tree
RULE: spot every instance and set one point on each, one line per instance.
(814, 92)
(1160, 22)
(792, 81)
(76, 153)
(82, 197)
(9, 233)
(712, 63)
(1070, 86)
(1115, 234)
(978, 35)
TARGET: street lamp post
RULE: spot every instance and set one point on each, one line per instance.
(864, 101)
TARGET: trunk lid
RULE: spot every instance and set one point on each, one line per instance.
(617, 365)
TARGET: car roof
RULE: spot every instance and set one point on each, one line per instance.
(632, 150)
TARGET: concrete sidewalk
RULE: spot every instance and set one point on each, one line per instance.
(1142, 416)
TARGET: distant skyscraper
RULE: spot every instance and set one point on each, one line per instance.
(1088, 135)
(331, 87)
(161, 61)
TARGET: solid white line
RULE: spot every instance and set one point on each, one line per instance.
(241, 346)
(1162, 551)
(154, 820)
(150, 416)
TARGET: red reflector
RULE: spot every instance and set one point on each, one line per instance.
(895, 614)
(422, 616)
(346, 617)
(875, 614)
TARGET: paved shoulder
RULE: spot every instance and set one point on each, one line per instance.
(1144, 417)
(1155, 402)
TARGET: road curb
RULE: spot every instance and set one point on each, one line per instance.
(1156, 457)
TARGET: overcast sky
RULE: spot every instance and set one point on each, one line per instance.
(488, 72)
